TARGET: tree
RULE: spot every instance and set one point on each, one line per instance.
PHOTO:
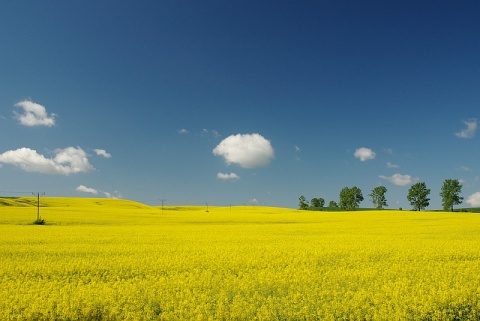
(322, 202)
(302, 203)
(333, 204)
(350, 198)
(317, 202)
(417, 196)
(344, 198)
(378, 197)
(450, 190)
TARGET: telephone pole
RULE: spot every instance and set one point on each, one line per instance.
(38, 205)
(162, 200)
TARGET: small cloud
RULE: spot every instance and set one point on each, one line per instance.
(297, 151)
(34, 114)
(254, 201)
(465, 169)
(66, 161)
(231, 176)
(473, 200)
(388, 151)
(102, 152)
(211, 132)
(468, 132)
(85, 189)
(364, 154)
(398, 179)
(183, 131)
(390, 165)
(246, 150)
(115, 195)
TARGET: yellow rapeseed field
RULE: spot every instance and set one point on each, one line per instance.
(99, 259)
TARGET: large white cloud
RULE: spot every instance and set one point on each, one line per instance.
(231, 176)
(398, 179)
(364, 154)
(34, 114)
(246, 150)
(84, 189)
(473, 200)
(66, 161)
(468, 132)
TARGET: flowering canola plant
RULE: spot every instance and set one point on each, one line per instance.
(118, 260)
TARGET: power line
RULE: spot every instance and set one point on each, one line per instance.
(12, 192)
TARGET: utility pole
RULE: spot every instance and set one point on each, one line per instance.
(38, 205)
(163, 200)
(207, 207)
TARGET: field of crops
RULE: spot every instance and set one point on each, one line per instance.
(99, 259)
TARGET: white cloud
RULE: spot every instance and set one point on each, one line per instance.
(468, 132)
(34, 114)
(211, 132)
(231, 176)
(297, 152)
(473, 200)
(398, 179)
(84, 189)
(102, 152)
(115, 194)
(364, 154)
(388, 151)
(183, 131)
(254, 201)
(66, 161)
(248, 150)
(391, 165)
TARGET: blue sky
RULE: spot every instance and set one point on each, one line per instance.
(239, 102)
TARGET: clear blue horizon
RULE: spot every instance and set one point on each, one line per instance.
(239, 102)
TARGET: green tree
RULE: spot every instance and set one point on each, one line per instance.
(322, 202)
(418, 196)
(333, 204)
(302, 203)
(317, 202)
(450, 190)
(350, 198)
(378, 197)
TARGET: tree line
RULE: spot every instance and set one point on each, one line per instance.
(350, 197)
